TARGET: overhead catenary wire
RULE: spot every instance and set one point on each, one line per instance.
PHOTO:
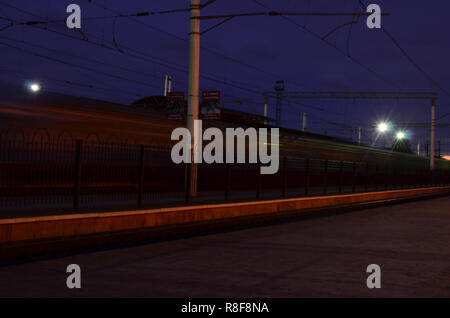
(90, 60)
(203, 47)
(26, 75)
(141, 83)
(137, 14)
(87, 59)
(247, 89)
(303, 27)
(244, 88)
(43, 56)
(149, 58)
(278, 13)
(112, 47)
(219, 81)
(409, 57)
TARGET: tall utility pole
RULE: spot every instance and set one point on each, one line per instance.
(433, 126)
(359, 136)
(439, 149)
(372, 138)
(279, 88)
(193, 98)
(266, 105)
(304, 122)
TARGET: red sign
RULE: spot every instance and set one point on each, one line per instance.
(211, 107)
(176, 105)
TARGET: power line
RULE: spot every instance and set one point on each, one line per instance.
(155, 61)
(204, 48)
(278, 13)
(96, 62)
(142, 83)
(413, 62)
(73, 83)
(410, 59)
(90, 60)
(182, 39)
(138, 14)
(179, 69)
(75, 65)
(246, 89)
(303, 27)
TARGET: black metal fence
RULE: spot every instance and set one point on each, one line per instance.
(43, 177)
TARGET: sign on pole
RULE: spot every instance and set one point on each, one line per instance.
(211, 106)
(176, 105)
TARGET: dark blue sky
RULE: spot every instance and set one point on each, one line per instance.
(249, 54)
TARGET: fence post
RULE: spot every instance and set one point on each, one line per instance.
(406, 177)
(418, 178)
(400, 171)
(354, 177)
(77, 176)
(376, 177)
(409, 174)
(386, 175)
(341, 172)
(227, 181)
(284, 176)
(325, 177)
(258, 181)
(306, 176)
(366, 185)
(141, 176)
(187, 183)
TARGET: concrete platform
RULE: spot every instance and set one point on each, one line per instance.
(319, 256)
(38, 231)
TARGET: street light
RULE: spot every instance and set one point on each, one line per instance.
(400, 135)
(383, 127)
(34, 87)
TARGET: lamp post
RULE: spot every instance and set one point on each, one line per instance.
(383, 128)
(400, 135)
(433, 127)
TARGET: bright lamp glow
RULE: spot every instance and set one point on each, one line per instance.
(35, 87)
(382, 127)
(400, 135)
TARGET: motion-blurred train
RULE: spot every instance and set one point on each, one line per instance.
(60, 118)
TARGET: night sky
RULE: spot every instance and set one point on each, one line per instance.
(125, 59)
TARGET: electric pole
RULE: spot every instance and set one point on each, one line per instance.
(359, 136)
(304, 122)
(266, 104)
(433, 125)
(279, 88)
(193, 93)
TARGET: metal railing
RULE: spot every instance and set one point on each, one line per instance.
(45, 177)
